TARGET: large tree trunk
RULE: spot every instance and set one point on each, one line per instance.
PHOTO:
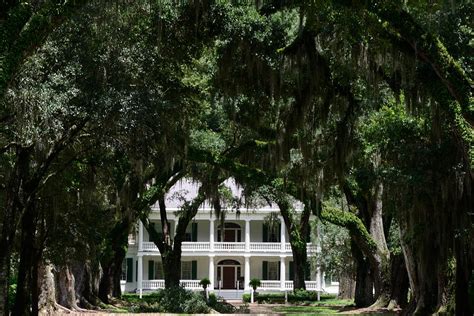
(399, 282)
(27, 252)
(419, 242)
(65, 290)
(86, 283)
(346, 286)
(46, 288)
(364, 294)
(172, 268)
(300, 261)
(4, 277)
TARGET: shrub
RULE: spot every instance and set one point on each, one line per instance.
(297, 296)
(180, 300)
(254, 283)
(204, 283)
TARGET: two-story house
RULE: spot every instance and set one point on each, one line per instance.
(229, 255)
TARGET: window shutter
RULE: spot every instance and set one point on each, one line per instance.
(239, 235)
(279, 270)
(278, 238)
(194, 236)
(136, 270)
(129, 269)
(151, 270)
(265, 270)
(194, 270)
(291, 268)
(265, 233)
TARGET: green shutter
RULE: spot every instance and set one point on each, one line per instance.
(194, 270)
(265, 233)
(307, 272)
(129, 269)
(136, 270)
(265, 270)
(279, 269)
(151, 270)
(194, 236)
(278, 238)
(291, 267)
(239, 236)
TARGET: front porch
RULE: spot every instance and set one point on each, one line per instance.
(225, 273)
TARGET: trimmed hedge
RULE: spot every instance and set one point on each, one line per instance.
(296, 296)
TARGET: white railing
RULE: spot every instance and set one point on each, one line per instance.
(195, 246)
(232, 246)
(265, 246)
(229, 246)
(149, 246)
(310, 285)
(190, 284)
(269, 284)
(264, 285)
(160, 284)
(153, 284)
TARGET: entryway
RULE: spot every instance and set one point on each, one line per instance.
(228, 274)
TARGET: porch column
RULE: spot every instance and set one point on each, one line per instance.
(282, 234)
(140, 275)
(247, 273)
(211, 272)
(140, 235)
(318, 281)
(282, 273)
(211, 233)
(247, 235)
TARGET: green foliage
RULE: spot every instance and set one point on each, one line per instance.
(173, 300)
(254, 283)
(293, 297)
(205, 282)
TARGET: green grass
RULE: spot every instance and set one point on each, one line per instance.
(320, 310)
(328, 306)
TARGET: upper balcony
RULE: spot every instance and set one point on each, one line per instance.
(233, 247)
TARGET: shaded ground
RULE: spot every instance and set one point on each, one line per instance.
(327, 308)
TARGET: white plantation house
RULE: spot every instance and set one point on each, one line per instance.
(229, 256)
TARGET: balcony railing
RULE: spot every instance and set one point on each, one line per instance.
(255, 247)
(265, 285)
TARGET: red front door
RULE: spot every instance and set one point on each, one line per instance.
(228, 276)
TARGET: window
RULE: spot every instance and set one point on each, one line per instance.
(123, 276)
(158, 270)
(186, 270)
(273, 270)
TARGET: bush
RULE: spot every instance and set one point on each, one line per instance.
(180, 300)
(173, 300)
(297, 296)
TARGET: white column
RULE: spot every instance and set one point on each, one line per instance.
(140, 236)
(211, 272)
(282, 273)
(211, 234)
(318, 281)
(247, 235)
(283, 235)
(247, 273)
(140, 275)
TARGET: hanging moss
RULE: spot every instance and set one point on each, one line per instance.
(351, 222)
